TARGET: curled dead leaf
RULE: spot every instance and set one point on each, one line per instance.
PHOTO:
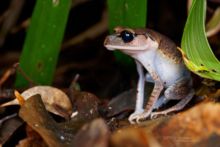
(62, 134)
(55, 100)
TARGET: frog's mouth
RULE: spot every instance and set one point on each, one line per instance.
(115, 43)
(126, 48)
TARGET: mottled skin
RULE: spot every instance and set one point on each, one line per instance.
(160, 57)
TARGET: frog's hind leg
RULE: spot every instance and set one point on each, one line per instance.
(180, 105)
(181, 90)
(160, 102)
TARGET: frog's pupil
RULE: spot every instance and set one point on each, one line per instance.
(127, 36)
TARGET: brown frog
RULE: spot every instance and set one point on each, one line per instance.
(161, 58)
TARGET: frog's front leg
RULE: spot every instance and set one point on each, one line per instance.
(181, 90)
(158, 87)
(140, 94)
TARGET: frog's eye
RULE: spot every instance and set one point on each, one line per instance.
(126, 36)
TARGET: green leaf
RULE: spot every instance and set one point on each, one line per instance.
(43, 41)
(196, 51)
(129, 13)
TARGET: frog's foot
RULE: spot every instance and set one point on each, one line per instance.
(154, 115)
(179, 106)
(138, 117)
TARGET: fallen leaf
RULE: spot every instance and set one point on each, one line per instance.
(125, 102)
(85, 106)
(55, 100)
(139, 135)
(94, 134)
(54, 134)
(214, 95)
(8, 127)
(191, 127)
(33, 139)
(129, 137)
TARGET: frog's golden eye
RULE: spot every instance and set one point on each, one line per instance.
(126, 36)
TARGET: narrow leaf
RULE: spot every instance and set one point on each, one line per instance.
(43, 40)
(196, 51)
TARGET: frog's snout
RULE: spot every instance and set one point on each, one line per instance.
(106, 41)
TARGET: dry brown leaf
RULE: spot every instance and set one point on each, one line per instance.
(33, 139)
(191, 127)
(94, 134)
(125, 101)
(198, 126)
(85, 106)
(132, 137)
(55, 100)
(215, 95)
(56, 134)
(8, 128)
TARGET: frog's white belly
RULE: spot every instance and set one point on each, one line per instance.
(168, 71)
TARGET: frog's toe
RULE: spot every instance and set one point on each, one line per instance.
(157, 114)
(153, 115)
(133, 117)
(138, 118)
(144, 116)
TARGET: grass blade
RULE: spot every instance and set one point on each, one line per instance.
(43, 40)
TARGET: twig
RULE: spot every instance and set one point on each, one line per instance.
(92, 32)
(12, 16)
(21, 26)
(7, 117)
(20, 70)
(6, 75)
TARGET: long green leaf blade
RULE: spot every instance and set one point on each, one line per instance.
(198, 55)
(43, 41)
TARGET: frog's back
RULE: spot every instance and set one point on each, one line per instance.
(168, 62)
(166, 45)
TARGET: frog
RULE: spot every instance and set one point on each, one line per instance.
(158, 60)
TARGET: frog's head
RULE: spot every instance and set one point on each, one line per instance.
(130, 40)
